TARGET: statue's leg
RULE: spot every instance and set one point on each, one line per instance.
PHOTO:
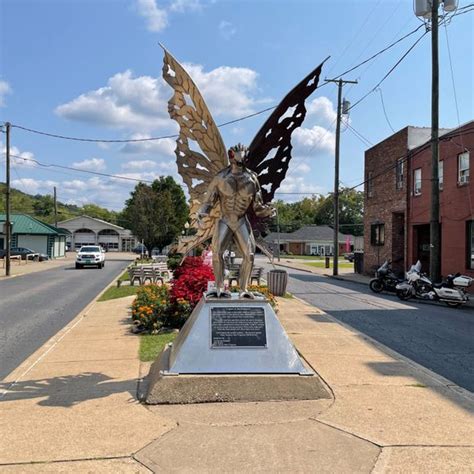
(246, 242)
(220, 241)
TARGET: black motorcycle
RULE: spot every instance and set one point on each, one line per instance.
(384, 279)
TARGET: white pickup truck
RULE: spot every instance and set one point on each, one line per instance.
(90, 255)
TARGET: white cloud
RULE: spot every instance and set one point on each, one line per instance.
(125, 102)
(228, 91)
(92, 164)
(227, 29)
(4, 90)
(297, 184)
(301, 168)
(322, 109)
(19, 158)
(139, 165)
(164, 147)
(141, 103)
(156, 18)
(312, 140)
(34, 186)
(183, 6)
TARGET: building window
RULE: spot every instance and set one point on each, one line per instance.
(399, 177)
(377, 234)
(370, 190)
(463, 168)
(417, 182)
(470, 244)
(440, 173)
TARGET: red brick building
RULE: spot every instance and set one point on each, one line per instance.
(398, 194)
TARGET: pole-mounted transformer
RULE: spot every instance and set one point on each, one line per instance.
(423, 7)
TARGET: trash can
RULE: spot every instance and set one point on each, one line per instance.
(277, 282)
(358, 262)
(327, 262)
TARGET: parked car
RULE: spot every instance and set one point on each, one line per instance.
(90, 255)
(349, 256)
(140, 248)
(23, 252)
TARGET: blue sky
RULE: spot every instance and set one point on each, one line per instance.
(92, 68)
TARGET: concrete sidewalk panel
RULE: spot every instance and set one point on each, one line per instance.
(113, 425)
(232, 414)
(104, 466)
(122, 369)
(302, 446)
(376, 369)
(93, 350)
(343, 344)
(390, 415)
(425, 460)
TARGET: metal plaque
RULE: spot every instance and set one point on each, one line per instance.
(238, 327)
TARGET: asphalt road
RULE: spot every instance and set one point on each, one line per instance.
(34, 307)
(431, 334)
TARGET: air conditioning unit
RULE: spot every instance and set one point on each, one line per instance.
(464, 179)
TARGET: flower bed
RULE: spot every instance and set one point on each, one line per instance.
(158, 307)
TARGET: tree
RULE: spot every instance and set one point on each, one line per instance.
(44, 205)
(93, 210)
(351, 211)
(319, 210)
(157, 213)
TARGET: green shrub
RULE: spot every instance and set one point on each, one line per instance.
(150, 308)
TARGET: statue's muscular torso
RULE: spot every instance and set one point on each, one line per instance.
(236, 193)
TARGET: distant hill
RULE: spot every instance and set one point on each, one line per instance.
(42, 207)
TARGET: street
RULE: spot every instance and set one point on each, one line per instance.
(433, 335)
(34, 307)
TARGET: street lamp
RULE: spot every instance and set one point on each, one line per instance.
(428, 9)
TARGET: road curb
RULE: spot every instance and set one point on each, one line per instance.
(27, 365)
(397, 356)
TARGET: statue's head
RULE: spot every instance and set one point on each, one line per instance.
(238, 154)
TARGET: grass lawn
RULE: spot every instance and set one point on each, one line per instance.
(152, 344)
(124, 276)
(301, 257)
(114, 292)
(342, 264)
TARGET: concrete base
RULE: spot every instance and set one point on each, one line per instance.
(164, 388)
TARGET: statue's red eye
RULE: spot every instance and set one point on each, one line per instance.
(231, 154)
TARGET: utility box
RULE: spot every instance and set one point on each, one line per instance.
(358, 262)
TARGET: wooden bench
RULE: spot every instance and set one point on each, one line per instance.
(152, 273)
(234, 275)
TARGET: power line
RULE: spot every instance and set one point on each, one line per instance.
(390, 71)
(384, 111)
(98, 173)
(359, 135)
(138, 140)
(411, 153)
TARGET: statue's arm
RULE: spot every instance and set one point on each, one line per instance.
(261, 209)
(211, 198)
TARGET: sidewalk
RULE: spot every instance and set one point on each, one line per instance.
(73, 408)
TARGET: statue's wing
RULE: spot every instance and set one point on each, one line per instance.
(197, 126)
(270, 150)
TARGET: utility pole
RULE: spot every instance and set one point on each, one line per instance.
(55, 209)
(428, 9)
(8, 227)
(278, 233)
(340, 83)
(435, 241)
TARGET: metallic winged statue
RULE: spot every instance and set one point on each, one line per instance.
(230, 191)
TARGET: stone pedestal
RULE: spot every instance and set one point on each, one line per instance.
(232, 349)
